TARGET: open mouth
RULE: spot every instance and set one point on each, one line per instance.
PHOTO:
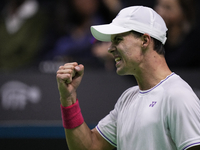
(117, 59)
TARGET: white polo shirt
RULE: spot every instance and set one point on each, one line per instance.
(165, 117)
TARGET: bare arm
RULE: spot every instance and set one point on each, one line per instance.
(85, 139)
(69, 77)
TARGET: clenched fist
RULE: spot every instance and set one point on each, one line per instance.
(69, 77)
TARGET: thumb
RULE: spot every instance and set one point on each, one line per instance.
(78, 76)
(79, 69)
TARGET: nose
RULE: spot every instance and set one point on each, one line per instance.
(112, 48)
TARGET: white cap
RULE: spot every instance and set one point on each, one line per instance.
(137, 18)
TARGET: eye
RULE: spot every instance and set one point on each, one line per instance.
(117, 40)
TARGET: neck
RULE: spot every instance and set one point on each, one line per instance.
(152, 71)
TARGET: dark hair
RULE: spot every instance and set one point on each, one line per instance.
(158, 46)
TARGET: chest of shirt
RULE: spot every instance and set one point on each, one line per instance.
(142, 114)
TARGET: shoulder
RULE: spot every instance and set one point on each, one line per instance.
(127, 96)
(179, 94)
(130, 92)
(176, 86)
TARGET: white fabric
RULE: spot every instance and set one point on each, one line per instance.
(138, 18)
(166, 117)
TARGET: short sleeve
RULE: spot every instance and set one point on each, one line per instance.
(184, 119)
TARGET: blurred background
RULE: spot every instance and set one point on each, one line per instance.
(37, 36)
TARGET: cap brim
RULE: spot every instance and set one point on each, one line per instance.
(104, 32)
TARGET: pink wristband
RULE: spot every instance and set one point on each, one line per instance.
(71, 116)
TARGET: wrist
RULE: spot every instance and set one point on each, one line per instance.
(71, 116)
(65, 102)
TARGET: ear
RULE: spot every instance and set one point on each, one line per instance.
(146, 40)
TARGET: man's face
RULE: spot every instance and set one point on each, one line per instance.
(127, 53)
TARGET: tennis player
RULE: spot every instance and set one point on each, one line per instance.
(161, 113)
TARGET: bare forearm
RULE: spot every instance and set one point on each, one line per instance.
(80, 138)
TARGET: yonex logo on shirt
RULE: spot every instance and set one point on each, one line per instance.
(152, 104)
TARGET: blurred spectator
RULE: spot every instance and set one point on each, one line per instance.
(22, 27)
(100, 49)
(182, 47)
(113, 6)
(72, 25)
